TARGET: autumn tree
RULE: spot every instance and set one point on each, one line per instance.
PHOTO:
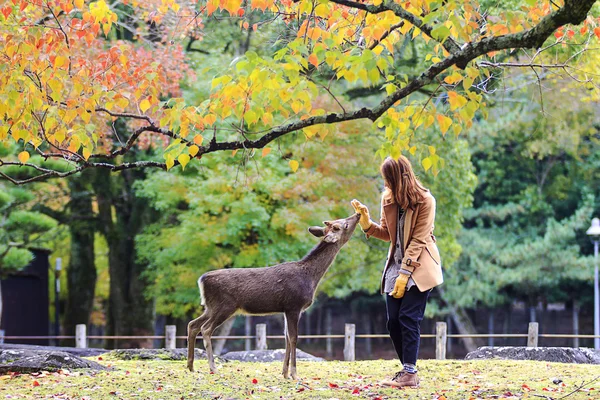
(63, 84)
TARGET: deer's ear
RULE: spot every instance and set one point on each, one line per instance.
(327, 223)
(317, 231)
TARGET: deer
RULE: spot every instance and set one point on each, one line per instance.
(287, 288)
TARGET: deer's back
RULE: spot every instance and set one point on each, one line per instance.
(267, 290)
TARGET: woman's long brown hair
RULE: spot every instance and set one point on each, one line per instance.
(401, 181)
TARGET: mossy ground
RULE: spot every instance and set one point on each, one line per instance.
(137, 379)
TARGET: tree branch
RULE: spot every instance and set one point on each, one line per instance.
(449, 44)
(574, 11)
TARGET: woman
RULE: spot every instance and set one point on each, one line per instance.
(413, 266)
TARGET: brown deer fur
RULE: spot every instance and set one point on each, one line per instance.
(287, 288)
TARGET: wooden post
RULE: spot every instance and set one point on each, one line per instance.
(248, 332)
(440, 340)
(80, 336)
(261, 336)
(532, 335)
(349, 341)
(170, 335)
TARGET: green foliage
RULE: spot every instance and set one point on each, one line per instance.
(525, 237)
(252, 211)
(19, 228)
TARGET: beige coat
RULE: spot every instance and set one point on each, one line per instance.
(421, 254)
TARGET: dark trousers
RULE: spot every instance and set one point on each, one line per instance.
(404, 318)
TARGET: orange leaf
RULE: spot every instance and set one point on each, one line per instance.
(597, 32)
(266, 151)
(234, 152)
(23, 157)
(198, 139)
(313, 59)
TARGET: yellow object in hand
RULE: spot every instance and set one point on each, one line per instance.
(365, 218)
(400, 286)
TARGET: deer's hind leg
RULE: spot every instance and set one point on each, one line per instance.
(215, 319)
(194, 328)
(292, 318)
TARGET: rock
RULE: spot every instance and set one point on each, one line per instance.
(267, 355)
(155, 354)
(91, 352)
(28, 361)
(551, 354)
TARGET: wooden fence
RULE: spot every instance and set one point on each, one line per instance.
(350, 336)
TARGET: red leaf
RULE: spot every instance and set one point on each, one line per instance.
(6, 11)
(36, 383)
(158, 389)
(240, 12)
(113, 393)
(526, 387)
(355, 391)
(570, 34)
(255, 381)
(100, 358)
(333, 385)
(300, 390)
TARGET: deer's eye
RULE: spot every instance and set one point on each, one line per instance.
(346, 226)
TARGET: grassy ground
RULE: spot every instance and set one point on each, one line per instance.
(325, 380)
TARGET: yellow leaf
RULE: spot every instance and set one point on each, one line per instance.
(210, 119)
(144, 105)
(456, 100)
(169, 162)
(193, 150)
(426, 163)
(294, 165)
(453, 78)
(198, 139)
(78, 4)
(413, 150)
(444, 122)
(59, 61)
(23, 157)
(183, 159)
(86, 153)
(266, 151)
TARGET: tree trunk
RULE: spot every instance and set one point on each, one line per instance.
(223, 330)
(81, 271)
(129, 312)
(463, 323)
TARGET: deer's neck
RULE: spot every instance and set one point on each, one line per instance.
(318, 260)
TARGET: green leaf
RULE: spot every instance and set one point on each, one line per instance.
(440, 33)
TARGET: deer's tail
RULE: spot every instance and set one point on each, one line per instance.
(201, 287)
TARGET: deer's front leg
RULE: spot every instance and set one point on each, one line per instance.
(292, 337)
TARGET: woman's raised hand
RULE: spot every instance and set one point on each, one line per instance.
(365, 218)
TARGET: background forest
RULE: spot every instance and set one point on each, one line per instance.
(515, 194)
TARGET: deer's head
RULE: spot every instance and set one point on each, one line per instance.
(338, 231)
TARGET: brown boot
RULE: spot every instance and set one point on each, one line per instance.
(403, 379)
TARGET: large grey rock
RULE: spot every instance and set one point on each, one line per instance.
(552, 354)
(155, 354)
(267, 355)
(91, 352)
(27, 361)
